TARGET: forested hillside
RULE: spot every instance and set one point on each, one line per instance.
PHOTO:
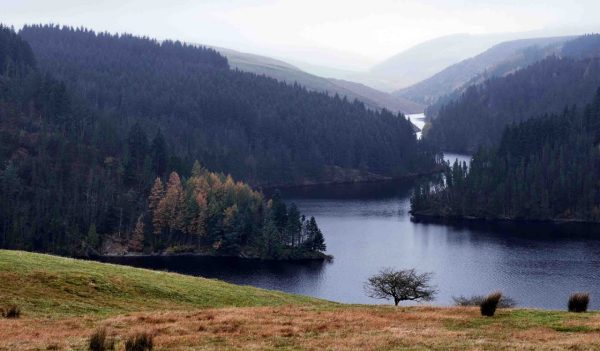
(480, 114)
(544, 168)
(77, 181)
(257, 129)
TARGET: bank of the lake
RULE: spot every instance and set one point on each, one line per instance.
(301, 257)
(64, 301)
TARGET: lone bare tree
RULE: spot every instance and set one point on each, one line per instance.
(400, 285)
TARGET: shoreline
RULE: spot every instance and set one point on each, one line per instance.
(410, 176)
(314, 257)
(456, 218)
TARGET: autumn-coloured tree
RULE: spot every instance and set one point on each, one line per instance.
(197, 225)
(136, 243)
(214, 211)
(172, 204)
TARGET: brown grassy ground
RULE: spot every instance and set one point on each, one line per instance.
(318, 328)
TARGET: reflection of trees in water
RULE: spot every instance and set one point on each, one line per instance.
(282, 275)
(401, 188)
(511, 232)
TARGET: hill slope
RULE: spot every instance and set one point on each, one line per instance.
(499, 60)
(64, 301)
(256, 128)
(290, 74)
(52, 285)
(70, 185)
(428, 58)
(480, 114)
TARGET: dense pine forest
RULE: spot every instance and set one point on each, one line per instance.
(478, 116)
(546, 168)
(253, 127)
(77, 179)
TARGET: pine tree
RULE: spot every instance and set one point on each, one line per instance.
(232, 228)
(159, 154)
(92, 237)
(278, 211)
(156, 195)
(314, 240)
(137, 143)
(294, 226)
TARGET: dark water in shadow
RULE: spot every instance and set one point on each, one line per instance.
(368, 227)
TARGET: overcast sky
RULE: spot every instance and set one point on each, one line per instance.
(353, 34)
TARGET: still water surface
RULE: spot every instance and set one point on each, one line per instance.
(368, 227)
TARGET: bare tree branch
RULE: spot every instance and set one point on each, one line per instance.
(400, 285)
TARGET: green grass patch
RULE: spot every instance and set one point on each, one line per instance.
(520, 319)
(58, 286)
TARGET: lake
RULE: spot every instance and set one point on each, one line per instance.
(367, 227)
(418, 119)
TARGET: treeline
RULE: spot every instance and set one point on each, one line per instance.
(543, 169)
(478, 117)
(253, 127)
(209, 212)
(72, 183)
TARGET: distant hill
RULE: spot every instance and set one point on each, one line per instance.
(428, 58)
(392, 103)
(285, 72)
(499, 60)
(480, 114)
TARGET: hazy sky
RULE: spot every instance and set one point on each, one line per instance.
(353, 34)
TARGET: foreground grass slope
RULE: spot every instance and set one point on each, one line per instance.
(51, 285)
(65, 300)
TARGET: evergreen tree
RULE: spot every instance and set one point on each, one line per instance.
(92, 238)
(294, 226)
(157, 193)
(159, 154)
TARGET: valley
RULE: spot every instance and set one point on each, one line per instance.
(269, 176)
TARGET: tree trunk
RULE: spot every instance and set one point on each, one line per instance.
(396, 301)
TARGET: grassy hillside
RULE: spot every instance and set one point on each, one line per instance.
(51, 285)
(497, 61)
(65, 300)
(290, 74)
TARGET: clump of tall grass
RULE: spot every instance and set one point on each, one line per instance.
(490, 303)
(578, 302)
(476, 300)
(12, 311)
(139, 342)
(100, 342)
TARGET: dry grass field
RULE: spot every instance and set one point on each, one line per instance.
(64, 301)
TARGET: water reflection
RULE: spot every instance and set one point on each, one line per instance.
(296, 277)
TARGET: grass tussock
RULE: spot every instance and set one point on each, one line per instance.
(477, 300)
(578, 302)
(490, 303)
(100, 342)
(11, 312)
(139, 342)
